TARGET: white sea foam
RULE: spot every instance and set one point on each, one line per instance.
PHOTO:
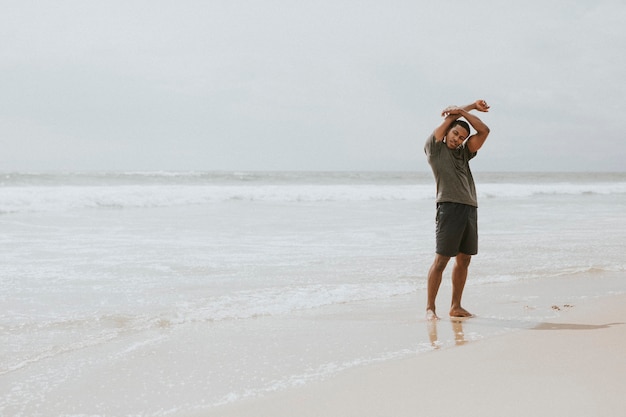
(14, 199)
(516, 190)
(63, 198)
(281, 300)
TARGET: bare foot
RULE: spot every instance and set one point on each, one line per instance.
(430, 315)
(460, 312)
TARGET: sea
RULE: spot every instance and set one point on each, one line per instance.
(173, 293)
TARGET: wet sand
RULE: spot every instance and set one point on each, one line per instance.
(572, 366)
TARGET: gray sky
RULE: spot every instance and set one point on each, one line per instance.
(308, 85)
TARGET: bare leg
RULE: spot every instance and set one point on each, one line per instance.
(459, 276)
(434, 281)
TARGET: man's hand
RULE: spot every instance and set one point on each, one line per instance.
(481, 105)
(456, 111)
(452, 111)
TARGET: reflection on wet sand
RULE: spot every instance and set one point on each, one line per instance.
(461, 339)
(572, 326)
(457, 330)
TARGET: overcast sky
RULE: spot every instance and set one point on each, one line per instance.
(308, 85)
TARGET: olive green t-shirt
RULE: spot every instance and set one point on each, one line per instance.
(453, 177)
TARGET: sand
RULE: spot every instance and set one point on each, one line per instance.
(572, 366)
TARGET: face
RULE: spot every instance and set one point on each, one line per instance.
(455, 136)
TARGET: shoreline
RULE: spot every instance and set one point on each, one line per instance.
(571, 365)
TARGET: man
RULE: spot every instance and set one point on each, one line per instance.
(449, 150)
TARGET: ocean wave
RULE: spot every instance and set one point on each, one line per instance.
(15, 199)
(547, 273)
(500, 190)
(275, 301)
(285, 300)
(63, 198)
(98, 329)
(59, 334)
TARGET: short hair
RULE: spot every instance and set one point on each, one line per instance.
(463, 124)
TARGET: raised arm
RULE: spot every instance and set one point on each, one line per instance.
(442, 129)
(452, 113)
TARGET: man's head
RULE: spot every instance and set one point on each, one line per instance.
(456, 135)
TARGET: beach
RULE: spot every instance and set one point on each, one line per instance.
(572, 365)
(294, 293)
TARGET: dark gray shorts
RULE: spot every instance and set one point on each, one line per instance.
(457, 229)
